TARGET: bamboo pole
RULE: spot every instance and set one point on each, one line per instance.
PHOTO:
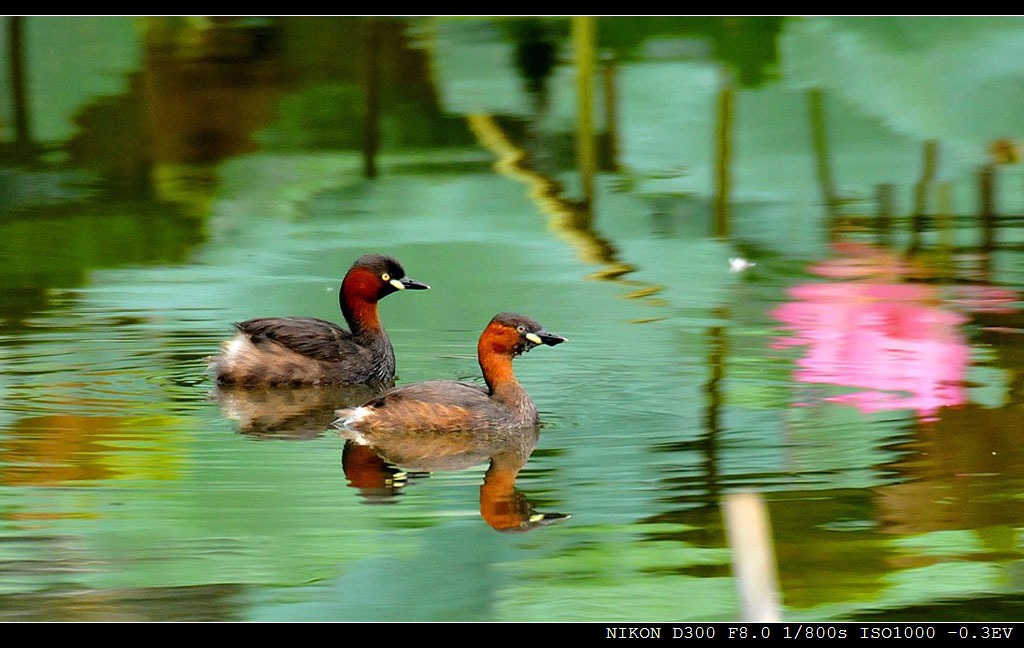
(753, 556)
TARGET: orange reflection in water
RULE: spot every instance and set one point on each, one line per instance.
(58, 451)
(895, 345)
(55, 450)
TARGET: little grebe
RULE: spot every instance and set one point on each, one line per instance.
(308, 350)
(443, 406)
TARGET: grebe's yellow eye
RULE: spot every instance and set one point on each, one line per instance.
(521, 328)
(386, 277)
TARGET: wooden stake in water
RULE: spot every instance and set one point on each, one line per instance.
(753, 556)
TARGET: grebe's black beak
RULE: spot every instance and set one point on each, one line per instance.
(544, 337)
(407, 283)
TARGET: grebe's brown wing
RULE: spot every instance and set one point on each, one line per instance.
(431, 405)
(308, 336)
(454, 393)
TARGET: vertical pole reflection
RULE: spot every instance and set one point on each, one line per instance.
(885, 205)
(610, 142)
(921, 191)
(19, 92)
(584, 34)
(718, 347)
(987, 216)
(944, 221)
(930, 164)
(723, 139)
(371, 118)
(823, 163)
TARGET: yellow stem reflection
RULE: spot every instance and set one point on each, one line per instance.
(571, 220)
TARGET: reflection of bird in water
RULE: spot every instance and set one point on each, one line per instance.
(502, 506)
(301, 412)
(378, 481)
(308, 350)
(382, 468)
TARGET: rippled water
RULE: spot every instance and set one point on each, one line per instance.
(867, 386)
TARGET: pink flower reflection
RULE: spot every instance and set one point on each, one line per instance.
(894, 344)
(891, 342)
